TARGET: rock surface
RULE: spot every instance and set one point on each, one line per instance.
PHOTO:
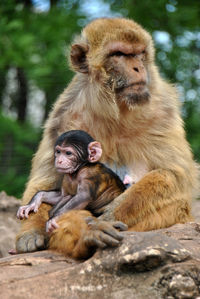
(9, 225)
(157, 264)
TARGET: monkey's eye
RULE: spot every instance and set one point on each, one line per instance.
(57, 151)
(118, 53)
(68, 153)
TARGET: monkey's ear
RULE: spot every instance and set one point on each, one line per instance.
(95, 151)
(78, 57)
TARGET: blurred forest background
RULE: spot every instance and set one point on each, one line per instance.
(34, 38)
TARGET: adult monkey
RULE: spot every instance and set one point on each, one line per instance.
(119, 98)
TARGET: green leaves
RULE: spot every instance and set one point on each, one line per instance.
(17, 146)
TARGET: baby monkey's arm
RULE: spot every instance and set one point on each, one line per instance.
(50, 197)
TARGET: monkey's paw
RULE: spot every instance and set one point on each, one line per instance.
(31, 241)
(24, 211)
(102, 233)
(51, 224)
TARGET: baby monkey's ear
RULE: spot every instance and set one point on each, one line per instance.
(94, 151)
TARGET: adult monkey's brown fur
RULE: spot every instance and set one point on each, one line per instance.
(119, 98)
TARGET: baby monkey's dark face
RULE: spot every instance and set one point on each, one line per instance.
(66, 159)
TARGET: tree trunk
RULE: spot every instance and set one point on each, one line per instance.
(22, 99)
(2, 85)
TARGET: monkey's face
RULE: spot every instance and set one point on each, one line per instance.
(118, 54)
(127, 71)
(66, 159)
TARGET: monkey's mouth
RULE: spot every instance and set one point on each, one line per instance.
(135, 93)
(136, 86)
(68, 170)
(63, 169)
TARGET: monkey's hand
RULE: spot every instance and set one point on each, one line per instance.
(51, 224)
(31, 241)
(102, 233)
(23, 211)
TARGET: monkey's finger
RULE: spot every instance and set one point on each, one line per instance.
(54, 224)
(36, 242)
(20, 213)
(51, 225)
(106, 227)
(109, 240)
(112, 232)
(27, 212)
(119, 225)
(21, 244)
(40, 242)
(31, 245)
(35, 209)
(92, 241)
(26, 243)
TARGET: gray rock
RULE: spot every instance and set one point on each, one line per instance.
(145, 265)
(155, 265)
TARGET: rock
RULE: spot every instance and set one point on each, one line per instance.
(157, 264)
(8, 203)
(9, 225)
(184, 286)
(143, 252)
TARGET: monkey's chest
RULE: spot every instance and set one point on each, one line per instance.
(69, 185)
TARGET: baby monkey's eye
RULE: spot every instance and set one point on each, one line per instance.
(68, 153)
(57, 151)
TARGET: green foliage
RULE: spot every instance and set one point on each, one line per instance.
(17, 145)
(192, 126)
(37, 42)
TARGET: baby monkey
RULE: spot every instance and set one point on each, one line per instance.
(87, 183)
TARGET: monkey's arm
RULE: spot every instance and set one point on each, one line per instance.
(77, 202)
(50, 197)
(80, 200)
(62, 202)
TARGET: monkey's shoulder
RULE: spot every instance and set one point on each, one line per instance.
(105, 185)
(100, 174)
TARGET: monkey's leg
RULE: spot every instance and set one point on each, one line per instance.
(177, 210)
(65, 238)
(154, 202)
(79, 234)
(33, 236)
